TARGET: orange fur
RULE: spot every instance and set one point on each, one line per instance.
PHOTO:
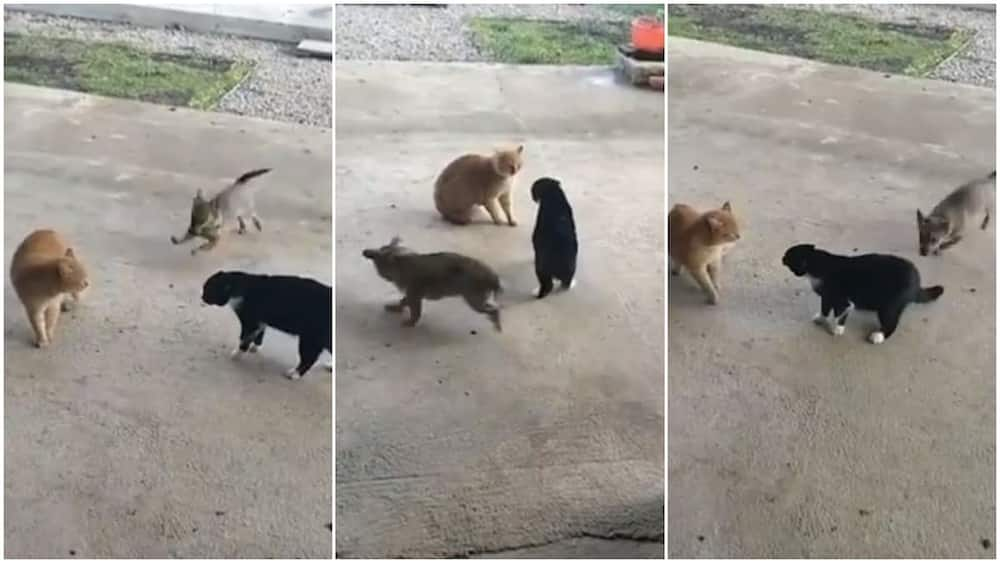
(472, 180)
(697, 241)
(44, 271)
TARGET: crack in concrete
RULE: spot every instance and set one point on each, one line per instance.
(614, 536)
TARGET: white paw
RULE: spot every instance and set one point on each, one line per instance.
(235, 353)
(876, 337)
(536, 291)
(572, 284)
(820, 319)
(329, 366)
(253, 349)
(293, 373)
(837, 330)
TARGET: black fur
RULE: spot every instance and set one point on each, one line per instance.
(297, 306)
(554, 237)
(881, 283)
(251, 175)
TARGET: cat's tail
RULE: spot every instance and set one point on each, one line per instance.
(250, 176)
(928, 294)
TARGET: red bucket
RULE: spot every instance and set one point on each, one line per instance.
(648, 34)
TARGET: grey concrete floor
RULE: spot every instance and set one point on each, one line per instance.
(455, 440)
(785, 441)
(135, 435)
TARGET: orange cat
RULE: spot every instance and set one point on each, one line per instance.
(44, 272)
(475, 179)
(698, 241)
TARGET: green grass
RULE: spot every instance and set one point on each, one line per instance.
(111, 69)
(913, 50)
(522, 41)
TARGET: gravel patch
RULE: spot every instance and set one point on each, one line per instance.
(426, 33)
(975, 64)
(283, 86)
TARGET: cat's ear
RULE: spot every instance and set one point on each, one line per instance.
(395, 241)
(726, 207)
(69, 253)
(199, 196)
(920, 217)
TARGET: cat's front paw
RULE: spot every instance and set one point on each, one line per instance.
(512, 222)
(876, 337)
(836, 330)
(293, 373)
(820, 319)
(712, 300)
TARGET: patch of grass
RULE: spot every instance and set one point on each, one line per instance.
(913, 50)
(111, 69)
(524, 41)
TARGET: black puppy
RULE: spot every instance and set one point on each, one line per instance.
(554, 238)
(297, 306)
(882, 283)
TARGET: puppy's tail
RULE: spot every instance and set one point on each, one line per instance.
(928, 294)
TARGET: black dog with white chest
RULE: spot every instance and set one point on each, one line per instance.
(297, 306)
(554, 237)
(881, 283)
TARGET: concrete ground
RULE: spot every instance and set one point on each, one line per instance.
(135, 435)
(785, 441)
(543, 440)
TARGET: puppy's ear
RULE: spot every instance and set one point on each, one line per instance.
(726, 207)
(520, 149)
(69, 253)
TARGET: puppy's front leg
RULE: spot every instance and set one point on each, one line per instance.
(414, 302)
(250, 330)
(396, 307)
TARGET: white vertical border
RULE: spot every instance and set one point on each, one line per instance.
(666, 272)
(3, 338)
(333, 278)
